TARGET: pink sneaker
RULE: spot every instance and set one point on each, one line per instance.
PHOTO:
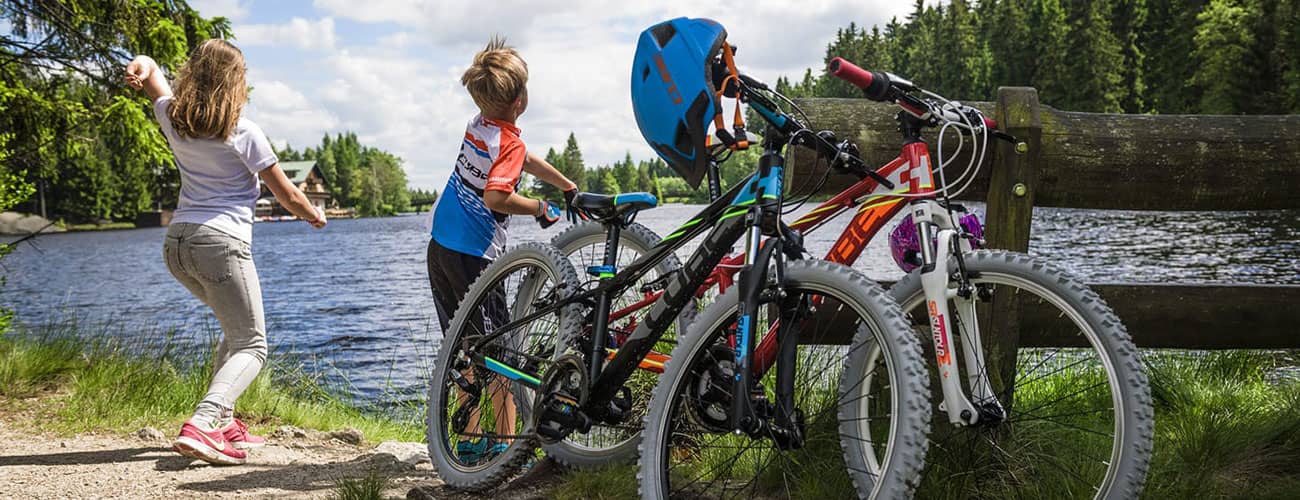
(237, 433)
(208, 446)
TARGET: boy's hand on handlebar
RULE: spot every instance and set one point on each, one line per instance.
(574, 214)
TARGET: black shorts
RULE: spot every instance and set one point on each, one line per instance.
(450, 275)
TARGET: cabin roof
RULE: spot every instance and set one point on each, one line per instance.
(297, 171)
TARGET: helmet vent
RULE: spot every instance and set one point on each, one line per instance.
(663, 33)
(683, 141)
(645, 72)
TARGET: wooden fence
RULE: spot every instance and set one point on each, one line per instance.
(1119, 162)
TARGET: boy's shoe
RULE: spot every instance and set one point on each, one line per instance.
(208, 446)
(469, 452)
(237, 434)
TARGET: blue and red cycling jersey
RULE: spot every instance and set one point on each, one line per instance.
(491, 159)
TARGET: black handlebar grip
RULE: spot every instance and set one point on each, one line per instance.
(874, 84)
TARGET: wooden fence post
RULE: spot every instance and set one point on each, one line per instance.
(1012, 186)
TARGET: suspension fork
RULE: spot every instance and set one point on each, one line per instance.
(934, 280)
(753, 277)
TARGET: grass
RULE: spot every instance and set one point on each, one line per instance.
(1227, 424)
(99, 227)
(370, 487)
(92, 384)
(1226, 427)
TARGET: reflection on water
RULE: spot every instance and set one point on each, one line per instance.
(354, 299)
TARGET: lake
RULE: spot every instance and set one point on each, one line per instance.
(352, 302)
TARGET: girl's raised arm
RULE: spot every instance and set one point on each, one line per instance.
(142, 73)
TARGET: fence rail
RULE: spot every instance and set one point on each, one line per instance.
(1117, 162)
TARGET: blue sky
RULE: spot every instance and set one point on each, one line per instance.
(389, 69)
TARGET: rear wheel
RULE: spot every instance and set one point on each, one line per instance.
(1079, 422)
(584, 245)
(853, 348)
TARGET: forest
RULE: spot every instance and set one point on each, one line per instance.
(1107, 56)
(77, 145)
(1110, 56)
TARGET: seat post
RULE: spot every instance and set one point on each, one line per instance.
(612, 232)
(600, 327)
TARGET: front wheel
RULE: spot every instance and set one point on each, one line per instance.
(852, 338)
(1078, 418)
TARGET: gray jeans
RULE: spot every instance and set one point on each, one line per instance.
(218, 269)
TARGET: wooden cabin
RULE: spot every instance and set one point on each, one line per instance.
(304, 174)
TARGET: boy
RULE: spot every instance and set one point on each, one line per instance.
(469, 221)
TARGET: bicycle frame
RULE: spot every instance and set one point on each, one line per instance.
(757, 198)
(877, 204)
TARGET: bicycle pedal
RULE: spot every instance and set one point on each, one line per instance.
(560, 415)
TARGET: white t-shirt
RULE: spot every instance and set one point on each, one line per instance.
(218, 178)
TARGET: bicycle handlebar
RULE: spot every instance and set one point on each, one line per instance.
(874, 84)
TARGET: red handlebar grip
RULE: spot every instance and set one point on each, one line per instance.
(850, 72)
(990, 124)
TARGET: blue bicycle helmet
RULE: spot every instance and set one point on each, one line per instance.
(673, 92)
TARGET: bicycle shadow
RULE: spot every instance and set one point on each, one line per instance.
(311, 477)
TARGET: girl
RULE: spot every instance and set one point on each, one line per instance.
(208, 247)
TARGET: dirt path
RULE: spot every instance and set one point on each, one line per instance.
(113, 466)
(294, 464)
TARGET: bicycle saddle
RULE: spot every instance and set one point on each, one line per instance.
(604, 206)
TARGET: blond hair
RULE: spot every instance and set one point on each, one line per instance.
(210, 92)
(497, 78)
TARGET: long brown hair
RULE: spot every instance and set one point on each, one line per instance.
(210, 92)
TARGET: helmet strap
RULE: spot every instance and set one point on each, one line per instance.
(740, 140)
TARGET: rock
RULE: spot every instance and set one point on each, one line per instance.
(350, 436)
(150, 434)
(422, 493)
(410, 453)
(288, 432)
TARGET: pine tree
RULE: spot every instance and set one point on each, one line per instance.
(1011, 43)
(1094, 63)
(1223, 55)
(546, 191)
(1127, 20)
(1050, 29)
(1167, 39)
(573, 165)
(1286, 56)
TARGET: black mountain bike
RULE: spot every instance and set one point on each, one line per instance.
(527, 359)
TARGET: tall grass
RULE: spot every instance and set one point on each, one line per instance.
(1227, 426)
(103, 383)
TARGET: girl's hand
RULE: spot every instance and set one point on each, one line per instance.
(319, 223)
(139, 70)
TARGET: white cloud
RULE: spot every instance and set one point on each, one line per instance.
(398, 40)
(298, 32)
(234, 10)
(287, 115)
(579, 54)
(404, 105)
